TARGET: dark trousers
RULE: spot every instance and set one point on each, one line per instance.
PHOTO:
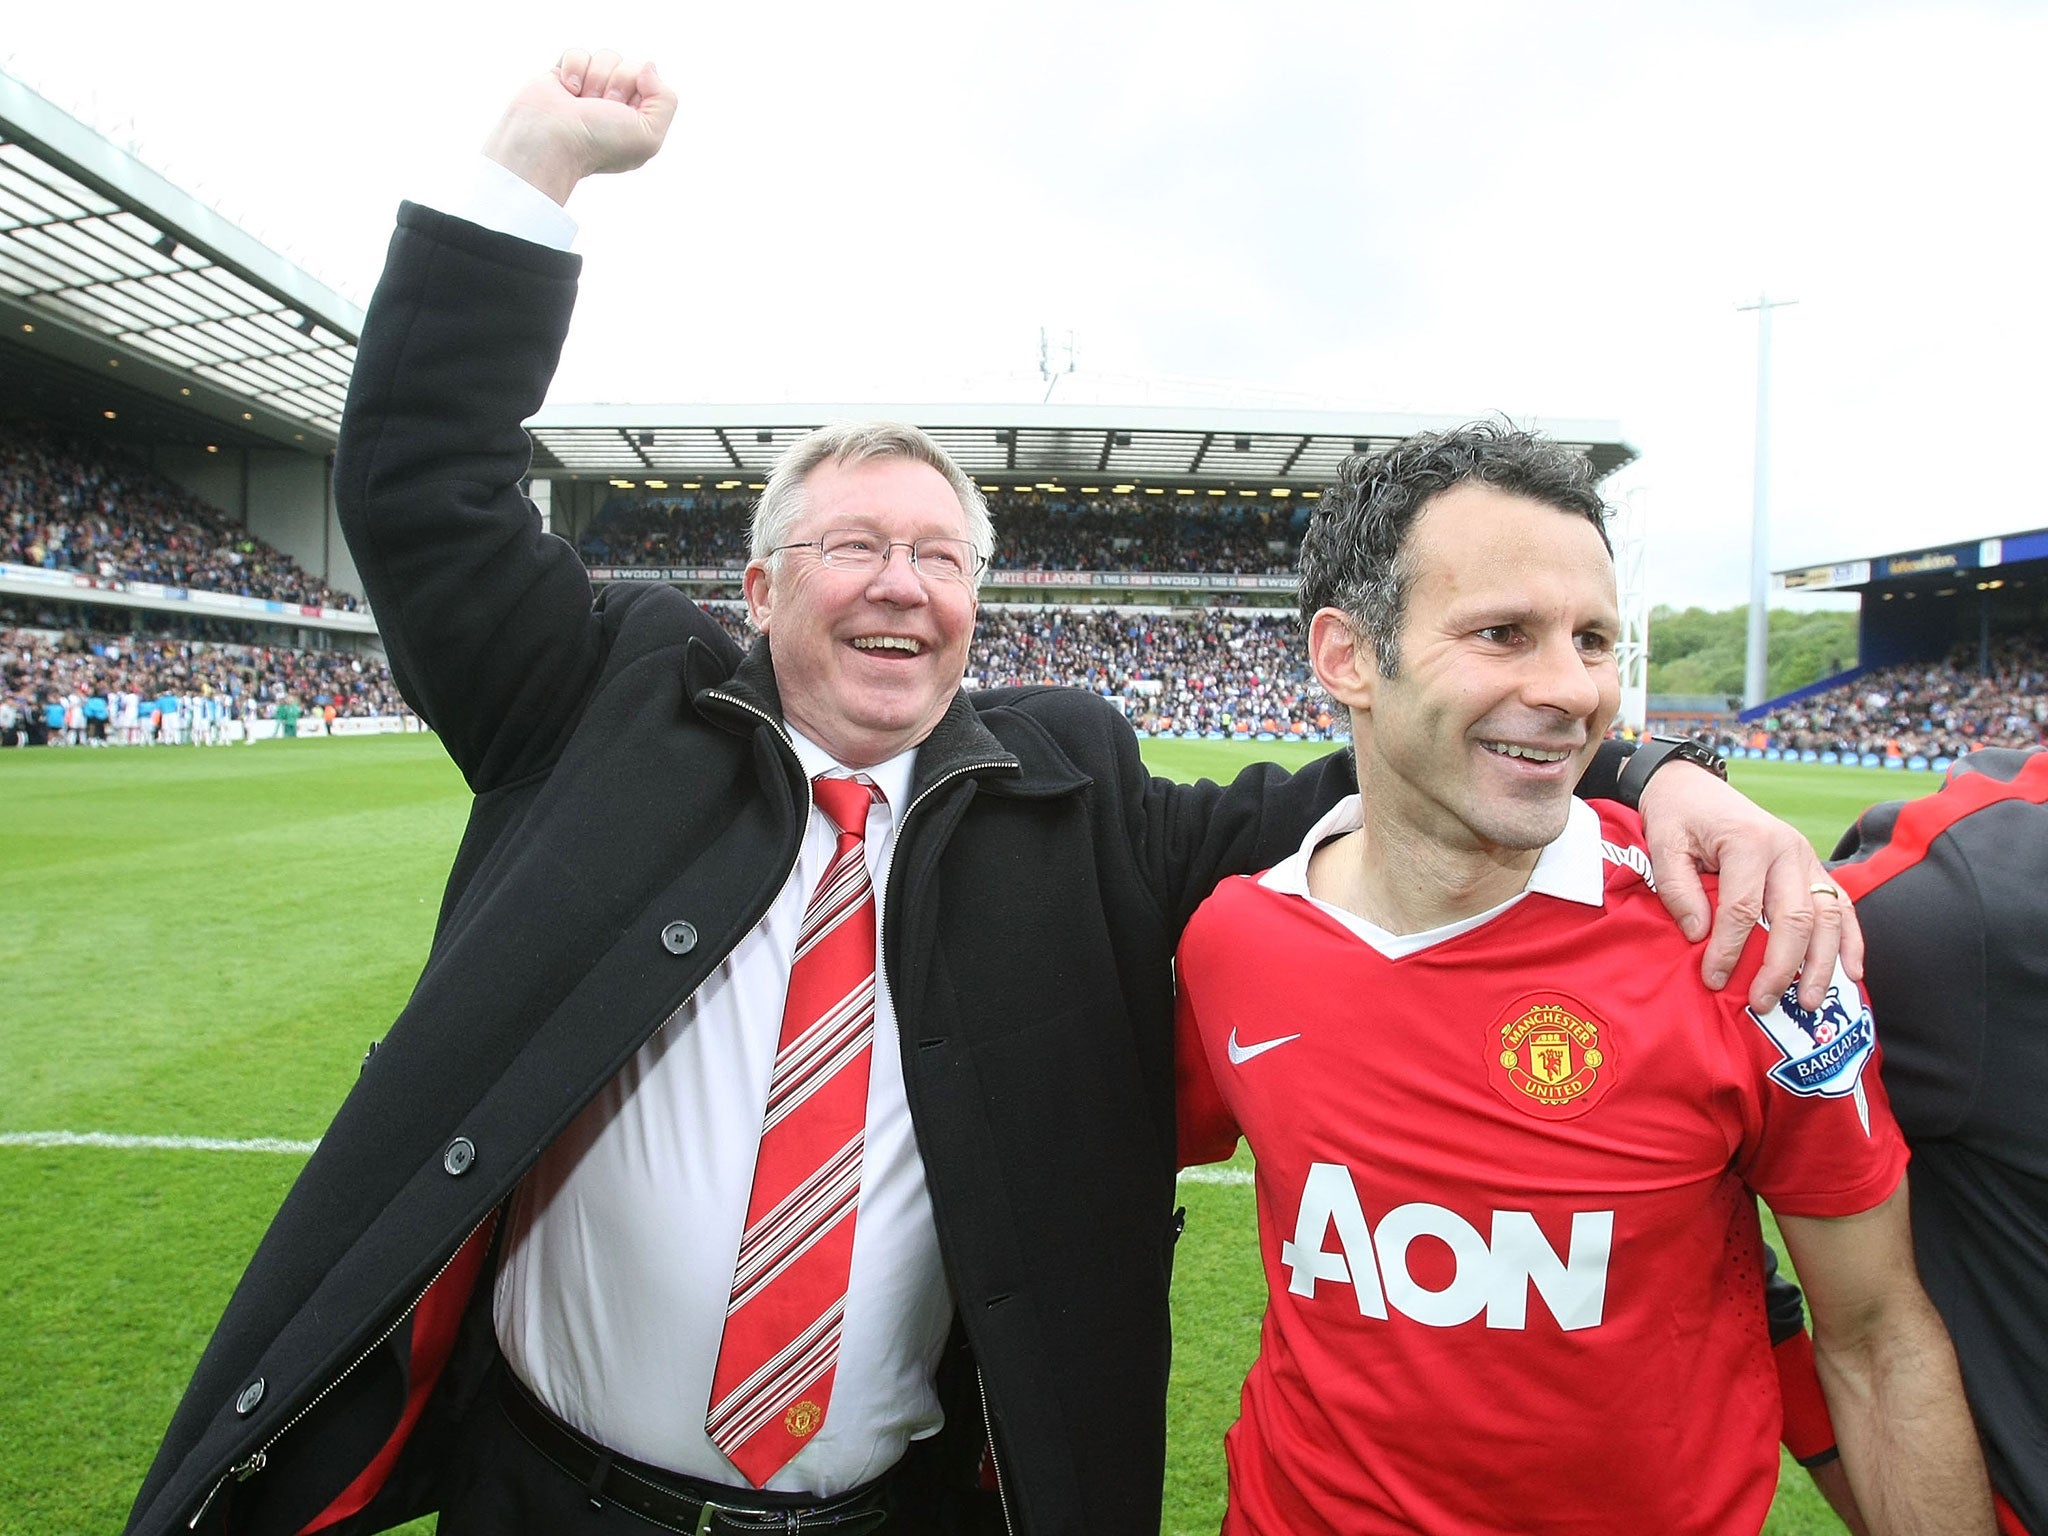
(501, 1486)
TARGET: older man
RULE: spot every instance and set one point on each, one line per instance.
(780, 1135)
(1507, 1143)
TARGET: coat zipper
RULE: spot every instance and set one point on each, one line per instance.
(922, 795)
(950, 775)
(241, 1471)
(809, 799)
(988, 1428)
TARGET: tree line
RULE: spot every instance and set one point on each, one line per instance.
(1697, 651)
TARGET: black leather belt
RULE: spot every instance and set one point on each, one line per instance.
(682, 1503)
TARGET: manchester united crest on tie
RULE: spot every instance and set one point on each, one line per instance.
(1553, 1057)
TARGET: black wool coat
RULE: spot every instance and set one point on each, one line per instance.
(637, 806)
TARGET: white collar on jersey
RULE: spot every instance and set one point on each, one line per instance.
(1572, 869)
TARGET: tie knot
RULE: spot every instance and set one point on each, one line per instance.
(846, 801)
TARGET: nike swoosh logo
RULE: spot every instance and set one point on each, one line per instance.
(1240, 1054)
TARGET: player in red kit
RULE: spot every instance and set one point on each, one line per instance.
(1508, 1144)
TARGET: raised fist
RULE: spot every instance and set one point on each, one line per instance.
(593, 113)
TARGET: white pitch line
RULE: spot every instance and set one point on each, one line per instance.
(151, 1143)
(1215, 1175)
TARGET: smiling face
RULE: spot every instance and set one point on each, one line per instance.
(1506, 681)
(866, 662)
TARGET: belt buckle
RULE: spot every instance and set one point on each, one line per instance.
(790, 1520)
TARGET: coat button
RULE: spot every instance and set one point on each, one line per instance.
(679, 938)
(252, 1394)
(460, 1155)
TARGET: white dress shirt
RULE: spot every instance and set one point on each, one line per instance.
(619, 1253)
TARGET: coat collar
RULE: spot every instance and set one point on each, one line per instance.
(959, 744)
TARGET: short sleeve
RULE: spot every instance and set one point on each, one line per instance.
(1822, 1140)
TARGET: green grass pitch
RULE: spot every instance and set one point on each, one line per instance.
(203, 942)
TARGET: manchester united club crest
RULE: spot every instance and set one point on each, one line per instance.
(803, 1418)
(1553, 1058)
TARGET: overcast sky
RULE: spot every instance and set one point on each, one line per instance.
(1452, 207)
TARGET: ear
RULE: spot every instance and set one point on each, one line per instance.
(759, 586)
(1344, 660)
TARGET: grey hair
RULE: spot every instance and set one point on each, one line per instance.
(1355, 555)
(860, 442)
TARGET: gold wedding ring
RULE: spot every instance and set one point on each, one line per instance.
(1825, 888)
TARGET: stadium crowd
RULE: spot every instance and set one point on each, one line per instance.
(66, 507)
(1123, 533)
(74, 689)
(1033, 533)
(1225, 670)
(1229, 672)
(1918, 710)
(689, 529)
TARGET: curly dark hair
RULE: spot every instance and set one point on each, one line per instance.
(1354, 554)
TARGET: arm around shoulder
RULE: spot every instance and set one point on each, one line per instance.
(1204, 832)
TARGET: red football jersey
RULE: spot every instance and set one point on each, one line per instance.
(1505, 1176)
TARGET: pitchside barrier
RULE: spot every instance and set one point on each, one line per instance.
(340, 725)
(1333, 738)
(119, 592)
(1914, 764)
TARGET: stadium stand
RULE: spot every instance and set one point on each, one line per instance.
(1927, 711)
(1033, 533)
(1111, 533)
(690, 529)
(67, 506)
(1227, 672)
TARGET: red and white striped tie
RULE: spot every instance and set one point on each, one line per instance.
(780, 1352)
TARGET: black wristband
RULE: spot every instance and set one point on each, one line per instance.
(1653, 753)
(1604, 772)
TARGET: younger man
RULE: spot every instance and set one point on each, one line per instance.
(1508, 1145)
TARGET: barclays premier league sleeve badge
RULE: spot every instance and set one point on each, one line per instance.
(1825, 1048)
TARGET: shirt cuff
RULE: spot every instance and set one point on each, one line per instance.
(487, 194)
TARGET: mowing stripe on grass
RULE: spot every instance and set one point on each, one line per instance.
(1215, 1175)
(151, 1143)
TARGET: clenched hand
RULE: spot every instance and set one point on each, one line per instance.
(592, 114)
